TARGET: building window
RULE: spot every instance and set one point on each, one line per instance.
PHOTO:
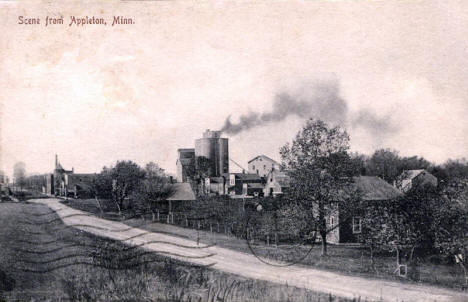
(356, 225)
(264, 166)
(253, 167)
(332, 221)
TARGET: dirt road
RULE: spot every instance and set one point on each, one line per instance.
(249, 266)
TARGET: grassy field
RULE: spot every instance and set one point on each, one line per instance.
(40, 260)
(344, 259)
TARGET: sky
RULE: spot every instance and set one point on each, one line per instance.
(394, 74)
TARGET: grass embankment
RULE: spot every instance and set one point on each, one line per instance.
(343, 259)
(43, 260)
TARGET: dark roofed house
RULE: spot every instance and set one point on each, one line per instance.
(182, 192)
(370, 189)
(80, 185)
(411, 179)
(244, 184)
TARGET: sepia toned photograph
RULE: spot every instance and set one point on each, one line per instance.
(234, 151)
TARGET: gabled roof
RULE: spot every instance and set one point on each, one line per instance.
(263, 156)
(375, 188)
(60, 169)
(410, 174)
(182, 191)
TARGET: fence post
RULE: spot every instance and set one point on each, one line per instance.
(218, 226)
(276, 239)
(268, 240)
(186, 221)
(158, 215)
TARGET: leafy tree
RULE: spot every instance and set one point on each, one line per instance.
(384, 163)
(152, 190)
(321, 174)
(451, 171)
(388, 165)
(101, 186)
(126, 177)
(19, 173)
(153, 170)
(404, 226)
(450, 223)
(359, 162)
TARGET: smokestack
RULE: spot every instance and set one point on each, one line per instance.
(56, 160)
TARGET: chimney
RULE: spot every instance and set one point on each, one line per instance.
(73, 170)
(56, 160)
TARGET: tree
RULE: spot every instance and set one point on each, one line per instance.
(321, 174)
(152, 190)
(384, 163)
(19, 173)
(101, 186)
(153, 170)
(450, 223)
(451, 171)
(126, 176)
(388, 165)
(404, 225)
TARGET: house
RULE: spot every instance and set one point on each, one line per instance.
(276, 183)
(262, 165)
(411, 179)
(80, 185)
(68, 183)
(244, 184)
(182, 192)
(370, 189)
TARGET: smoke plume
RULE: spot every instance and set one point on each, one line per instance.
(319, 100)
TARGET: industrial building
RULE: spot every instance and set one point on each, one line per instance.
(209, 158)
(185, 164)
(262, 165)
(207, 167)
(215, 150)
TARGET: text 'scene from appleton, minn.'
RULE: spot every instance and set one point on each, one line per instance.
(76, 20)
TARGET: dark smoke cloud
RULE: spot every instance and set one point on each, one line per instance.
(318, 99)
(377, 125)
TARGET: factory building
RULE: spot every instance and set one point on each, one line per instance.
(262, 165)
(214, 150)
(185, 164)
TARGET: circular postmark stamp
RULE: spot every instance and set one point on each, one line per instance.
(277, 232)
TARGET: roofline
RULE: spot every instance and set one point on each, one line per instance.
(263, 156)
